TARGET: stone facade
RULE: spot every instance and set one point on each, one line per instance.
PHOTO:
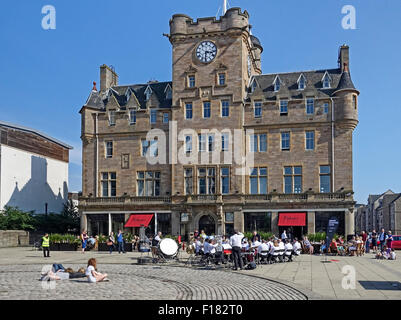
(382, 211)
(107, 116)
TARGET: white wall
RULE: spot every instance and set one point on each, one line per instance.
(28, 181)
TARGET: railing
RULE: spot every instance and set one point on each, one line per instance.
(202, 197)
(123, 200)
(205, 198)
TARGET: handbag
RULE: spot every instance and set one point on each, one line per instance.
(109, 243)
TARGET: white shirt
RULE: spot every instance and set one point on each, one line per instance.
(263, 247)
(283, 236)
(288, 247)
(245, 245)
(297, 246)
(256, 244)
(157, 238)
(208, 248)
(281, 246)
(89, 274)
(235, 240)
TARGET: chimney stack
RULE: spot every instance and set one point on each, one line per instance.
(108, 77)
(343, 57)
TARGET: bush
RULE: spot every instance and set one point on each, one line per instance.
(128, 237)
(12, 218)
(103, 239)
(63, 238)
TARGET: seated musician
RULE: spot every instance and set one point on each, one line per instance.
(245, 244)
(297, 248)
(198, 246)
(288, 249)
(219, 252)
(274, 250)
(208, 249)
(263, 251)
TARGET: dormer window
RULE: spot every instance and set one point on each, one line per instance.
(128, 94)
(253, 86)
(301, 82)
(148, 93)
(277, 83)
(326, 81)
(169, 93)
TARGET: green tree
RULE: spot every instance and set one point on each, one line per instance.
(68, 221)
(12, 218)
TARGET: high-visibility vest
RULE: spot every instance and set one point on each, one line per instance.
(45, 242)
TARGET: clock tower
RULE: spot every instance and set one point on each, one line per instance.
(213, 60)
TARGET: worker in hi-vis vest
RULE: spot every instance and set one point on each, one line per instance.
(46, 245)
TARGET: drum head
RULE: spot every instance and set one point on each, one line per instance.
(168, 247)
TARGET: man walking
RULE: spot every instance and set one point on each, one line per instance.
(235, 242)
(382, 239)
(46, 245)
(120, 241)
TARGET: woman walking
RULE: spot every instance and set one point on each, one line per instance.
(110, 242)
(84, 240)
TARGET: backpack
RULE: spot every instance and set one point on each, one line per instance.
(251, 265)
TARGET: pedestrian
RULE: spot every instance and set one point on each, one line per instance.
(389, 239)
(84, 240)
(120, 242)
(374, 240)
(364, 237)
(382, 239)
(368, 242)
(284, 236)
(110, 242)
(235, 242)
(46, 245)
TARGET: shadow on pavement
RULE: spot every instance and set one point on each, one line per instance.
(380, 285)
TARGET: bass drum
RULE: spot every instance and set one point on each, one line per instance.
(168, 247)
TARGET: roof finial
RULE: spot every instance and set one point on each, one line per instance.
(224, 7)
(346, 67)
(94, 86)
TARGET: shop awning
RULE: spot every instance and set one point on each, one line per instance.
(139, 220)
(286, 219)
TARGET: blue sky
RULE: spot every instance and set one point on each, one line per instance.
(46, 76)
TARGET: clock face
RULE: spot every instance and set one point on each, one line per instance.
(206, 51)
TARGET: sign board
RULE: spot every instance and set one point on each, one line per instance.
(184, 217)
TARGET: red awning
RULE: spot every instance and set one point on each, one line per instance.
(292, 219)
(138, 220)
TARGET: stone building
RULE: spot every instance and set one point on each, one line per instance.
(236, 148)
(33, 169)
(382, 211)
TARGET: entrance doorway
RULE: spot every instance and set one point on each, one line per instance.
(207, 224)
(296, 231)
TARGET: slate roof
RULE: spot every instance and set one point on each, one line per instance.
(314, 84)
(34, 131)
(99, 100)
(345, 82)
(256, 42)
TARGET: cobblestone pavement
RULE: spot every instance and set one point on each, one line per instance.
(143, 282)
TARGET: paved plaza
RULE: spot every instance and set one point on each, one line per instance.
(308, 277)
